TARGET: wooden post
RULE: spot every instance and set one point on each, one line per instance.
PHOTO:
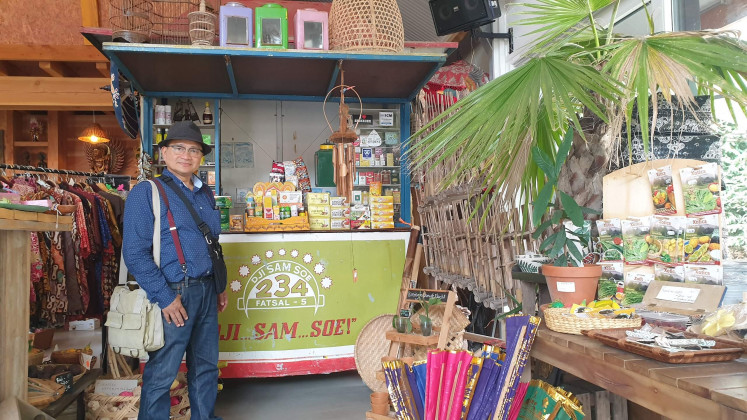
(53, 139)
(15, 261)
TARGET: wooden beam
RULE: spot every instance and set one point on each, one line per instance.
(53, 68)
(89, 13)
(6, 68)
(23, 52)
(53, 139)
(54, 93)
(103, 68)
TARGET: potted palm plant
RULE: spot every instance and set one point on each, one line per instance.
(577, 73)
(568, 279)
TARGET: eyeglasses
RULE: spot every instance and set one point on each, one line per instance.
(180, 150)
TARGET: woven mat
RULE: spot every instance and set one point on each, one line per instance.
(370, 347)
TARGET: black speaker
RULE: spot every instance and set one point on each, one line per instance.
(451, 16)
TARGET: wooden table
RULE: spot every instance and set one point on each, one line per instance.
(15, 284)
(678, 391)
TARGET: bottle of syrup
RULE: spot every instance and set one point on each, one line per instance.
(207, 115)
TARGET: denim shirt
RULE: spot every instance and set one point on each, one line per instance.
(137, 247)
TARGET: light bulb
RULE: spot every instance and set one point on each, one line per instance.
(94, 139)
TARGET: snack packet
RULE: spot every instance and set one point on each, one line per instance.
(636, 239)
(667, 240)
(675, 273)
(662, 190)
(701, 189)
(610, 239)
(702, 242)
(612, 278)
(704, 274)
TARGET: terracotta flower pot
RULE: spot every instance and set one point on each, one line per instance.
(572, 284)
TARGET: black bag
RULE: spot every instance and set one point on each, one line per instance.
(220, 272)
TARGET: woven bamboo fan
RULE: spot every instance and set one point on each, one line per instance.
(366, 25)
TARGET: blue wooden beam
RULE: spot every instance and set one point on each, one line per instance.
(231, 76)
(124, 70)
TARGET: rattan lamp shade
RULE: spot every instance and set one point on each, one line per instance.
(94, 134)
(366, 25)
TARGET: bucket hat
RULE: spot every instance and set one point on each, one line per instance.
(186, 130)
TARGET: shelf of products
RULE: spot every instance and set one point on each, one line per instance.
(377, 155)
(172, 108)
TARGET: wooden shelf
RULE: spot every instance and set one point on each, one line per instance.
(33, 221)
(413, 338)
(31, 144)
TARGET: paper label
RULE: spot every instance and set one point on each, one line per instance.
(386, 119)
(566, 286)
(678, 294)
(114, 387)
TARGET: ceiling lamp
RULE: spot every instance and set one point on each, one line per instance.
(94, 133)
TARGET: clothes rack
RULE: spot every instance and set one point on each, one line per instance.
(113, 179)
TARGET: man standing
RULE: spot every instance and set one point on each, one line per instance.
(187, 298)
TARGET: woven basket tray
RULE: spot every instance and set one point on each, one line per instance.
(68, 357)
(560, 320)
(724, 351)
(99, 406)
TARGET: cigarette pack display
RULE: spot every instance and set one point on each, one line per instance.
(381, 199)
(382, 225)
(290, 197)
(317, 198)
(340, 223)
(381, 218)
(382, 206)
(319, 211)
(338, 201)
(340, 212)
(319, 223)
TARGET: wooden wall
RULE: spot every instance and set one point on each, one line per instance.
(53, 22)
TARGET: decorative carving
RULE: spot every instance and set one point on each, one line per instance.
(107, 158)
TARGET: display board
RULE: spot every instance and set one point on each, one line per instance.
(297, 301)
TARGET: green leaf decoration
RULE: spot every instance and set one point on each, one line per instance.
(545, 163)
(542, 201)
(563, 150)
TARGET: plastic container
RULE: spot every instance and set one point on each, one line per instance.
(664, 319)
(325, 169)
(271, 26)
(312, 29)
(235, 25)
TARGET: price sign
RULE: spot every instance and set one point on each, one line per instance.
(678, 294)
(422, 294)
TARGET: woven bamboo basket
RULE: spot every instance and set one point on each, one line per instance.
(560, 320)
(366, 25)
(457, 323)
(99, 406)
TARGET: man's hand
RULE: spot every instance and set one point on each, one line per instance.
(175, 312)
(222, 301)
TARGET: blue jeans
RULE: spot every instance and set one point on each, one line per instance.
(199, 338)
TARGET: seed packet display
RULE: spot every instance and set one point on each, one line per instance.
(636, 239)
(704, 274)
(610, 239)
(612, 279)
(635, 287)
(667, 240)
(662, 190)
(675, 273)
(702, 242)
(701, 189)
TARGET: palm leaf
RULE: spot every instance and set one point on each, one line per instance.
(561, 21)
(491, 130)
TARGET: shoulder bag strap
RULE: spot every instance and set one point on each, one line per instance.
(156, 236)
(204, 228)
(172, 228)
